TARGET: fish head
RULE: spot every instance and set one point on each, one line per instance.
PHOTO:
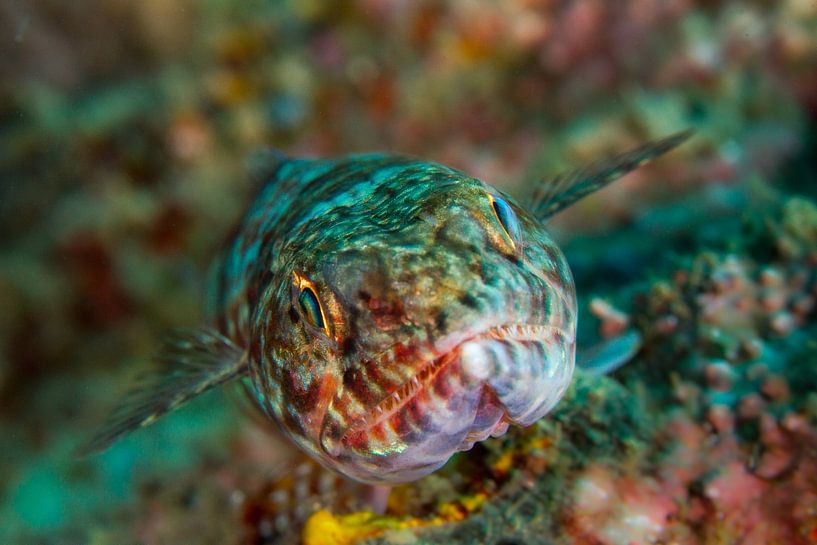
(423, 315)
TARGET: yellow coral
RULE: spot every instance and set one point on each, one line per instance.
(323, 528)
(505, 462)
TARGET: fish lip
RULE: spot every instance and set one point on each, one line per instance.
(450, 352)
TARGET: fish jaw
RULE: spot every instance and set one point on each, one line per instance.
(528, 368)
(510, 374)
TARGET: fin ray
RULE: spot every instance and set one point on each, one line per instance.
(194, 361)
(555, 194)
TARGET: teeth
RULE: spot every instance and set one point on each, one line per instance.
(397, 399)
(526, 367)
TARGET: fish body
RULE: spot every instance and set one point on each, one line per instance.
(388, 312)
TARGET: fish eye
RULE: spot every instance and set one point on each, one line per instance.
(506, 217)
(309, 304)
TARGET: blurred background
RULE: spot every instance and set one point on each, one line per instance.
(130, 131)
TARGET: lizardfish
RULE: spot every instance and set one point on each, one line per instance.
(386, 312)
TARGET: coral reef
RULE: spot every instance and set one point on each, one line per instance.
(126, 135)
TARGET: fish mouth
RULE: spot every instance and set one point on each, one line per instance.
(477, 370)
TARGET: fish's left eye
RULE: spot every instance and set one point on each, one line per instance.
(506, 217)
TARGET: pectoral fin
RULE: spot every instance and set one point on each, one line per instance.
(558, 193)
(611, 354)
(194, 362)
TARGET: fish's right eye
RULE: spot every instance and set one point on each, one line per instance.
(309, 304)
(311, 307)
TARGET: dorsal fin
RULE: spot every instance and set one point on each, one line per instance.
(194, 361)
(557, 193)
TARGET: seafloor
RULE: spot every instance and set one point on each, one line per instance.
(129, 135)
